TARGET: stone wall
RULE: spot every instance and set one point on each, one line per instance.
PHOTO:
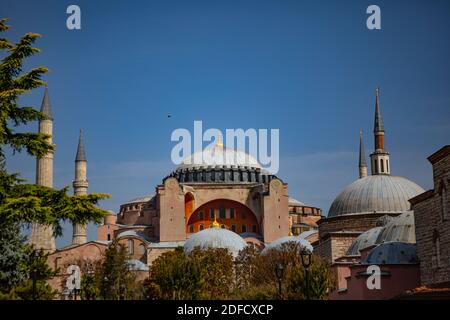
(432, 222)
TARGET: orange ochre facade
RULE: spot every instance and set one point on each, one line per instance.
(231, 215)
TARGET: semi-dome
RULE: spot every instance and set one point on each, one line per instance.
(219, 155)
(215, 238)
(280, 241)
(392, 253)
(306, 234)
(399, 229)
(375, 194)
(364, 240)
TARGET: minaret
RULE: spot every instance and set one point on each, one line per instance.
(380, 157)
(80, 186)
(362, 157)
(42, 235)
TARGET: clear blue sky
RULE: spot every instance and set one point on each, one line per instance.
(309, 68)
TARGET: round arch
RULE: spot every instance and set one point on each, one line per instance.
(230, 214)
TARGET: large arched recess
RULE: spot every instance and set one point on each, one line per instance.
(230, 214)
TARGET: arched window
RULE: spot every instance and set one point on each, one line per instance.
(387, 165)
(222, 226)
(201, 215)
(200, 227)
(130, 246)
(382, 165)
(244, 228)
(233, 227)
(191, 228)
(254, 228)
(222, 214)
(231, 213)
(142, 249)
(211, 213)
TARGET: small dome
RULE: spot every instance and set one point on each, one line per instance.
(399, 229)
(375, 194)
(215, 238)
(219, 156)
(392, 253)
(364, 240)
(279, 242)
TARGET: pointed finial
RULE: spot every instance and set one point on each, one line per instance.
(378, 125)
(219, 139)
(215, 224)
(46, 108)
(81, 153)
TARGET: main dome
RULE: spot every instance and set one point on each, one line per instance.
(219, 164)
(375, 194)
(219, 155)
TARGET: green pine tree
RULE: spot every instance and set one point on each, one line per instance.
(25, 203)
(115, 278)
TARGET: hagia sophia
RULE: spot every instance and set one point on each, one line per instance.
(378, 219)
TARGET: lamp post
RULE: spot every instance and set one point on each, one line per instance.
(105, 280)
(34, 274)
(279, 270)
(306, 262)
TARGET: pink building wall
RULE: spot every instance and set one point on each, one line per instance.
(395, 279)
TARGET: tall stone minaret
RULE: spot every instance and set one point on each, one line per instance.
(42, 235)
(362, 157)
(380, 157)
(80, 186)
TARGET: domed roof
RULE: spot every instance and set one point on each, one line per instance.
(364, 240)
(133, 233)
(219, 155)
(392, 253)
(306, 234)
(375, 194)
(400, 228)
(295, 202)
(137, 265)
(140, 199)
(215, 238)
(280, 241)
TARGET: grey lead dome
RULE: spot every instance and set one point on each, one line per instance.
(375, 194)
(215, 238)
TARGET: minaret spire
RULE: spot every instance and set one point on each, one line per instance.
(380, 157)
(362, 157)
(378, 128)
(81, 153)
(80, 186)
(42, 235)
(46, 107)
